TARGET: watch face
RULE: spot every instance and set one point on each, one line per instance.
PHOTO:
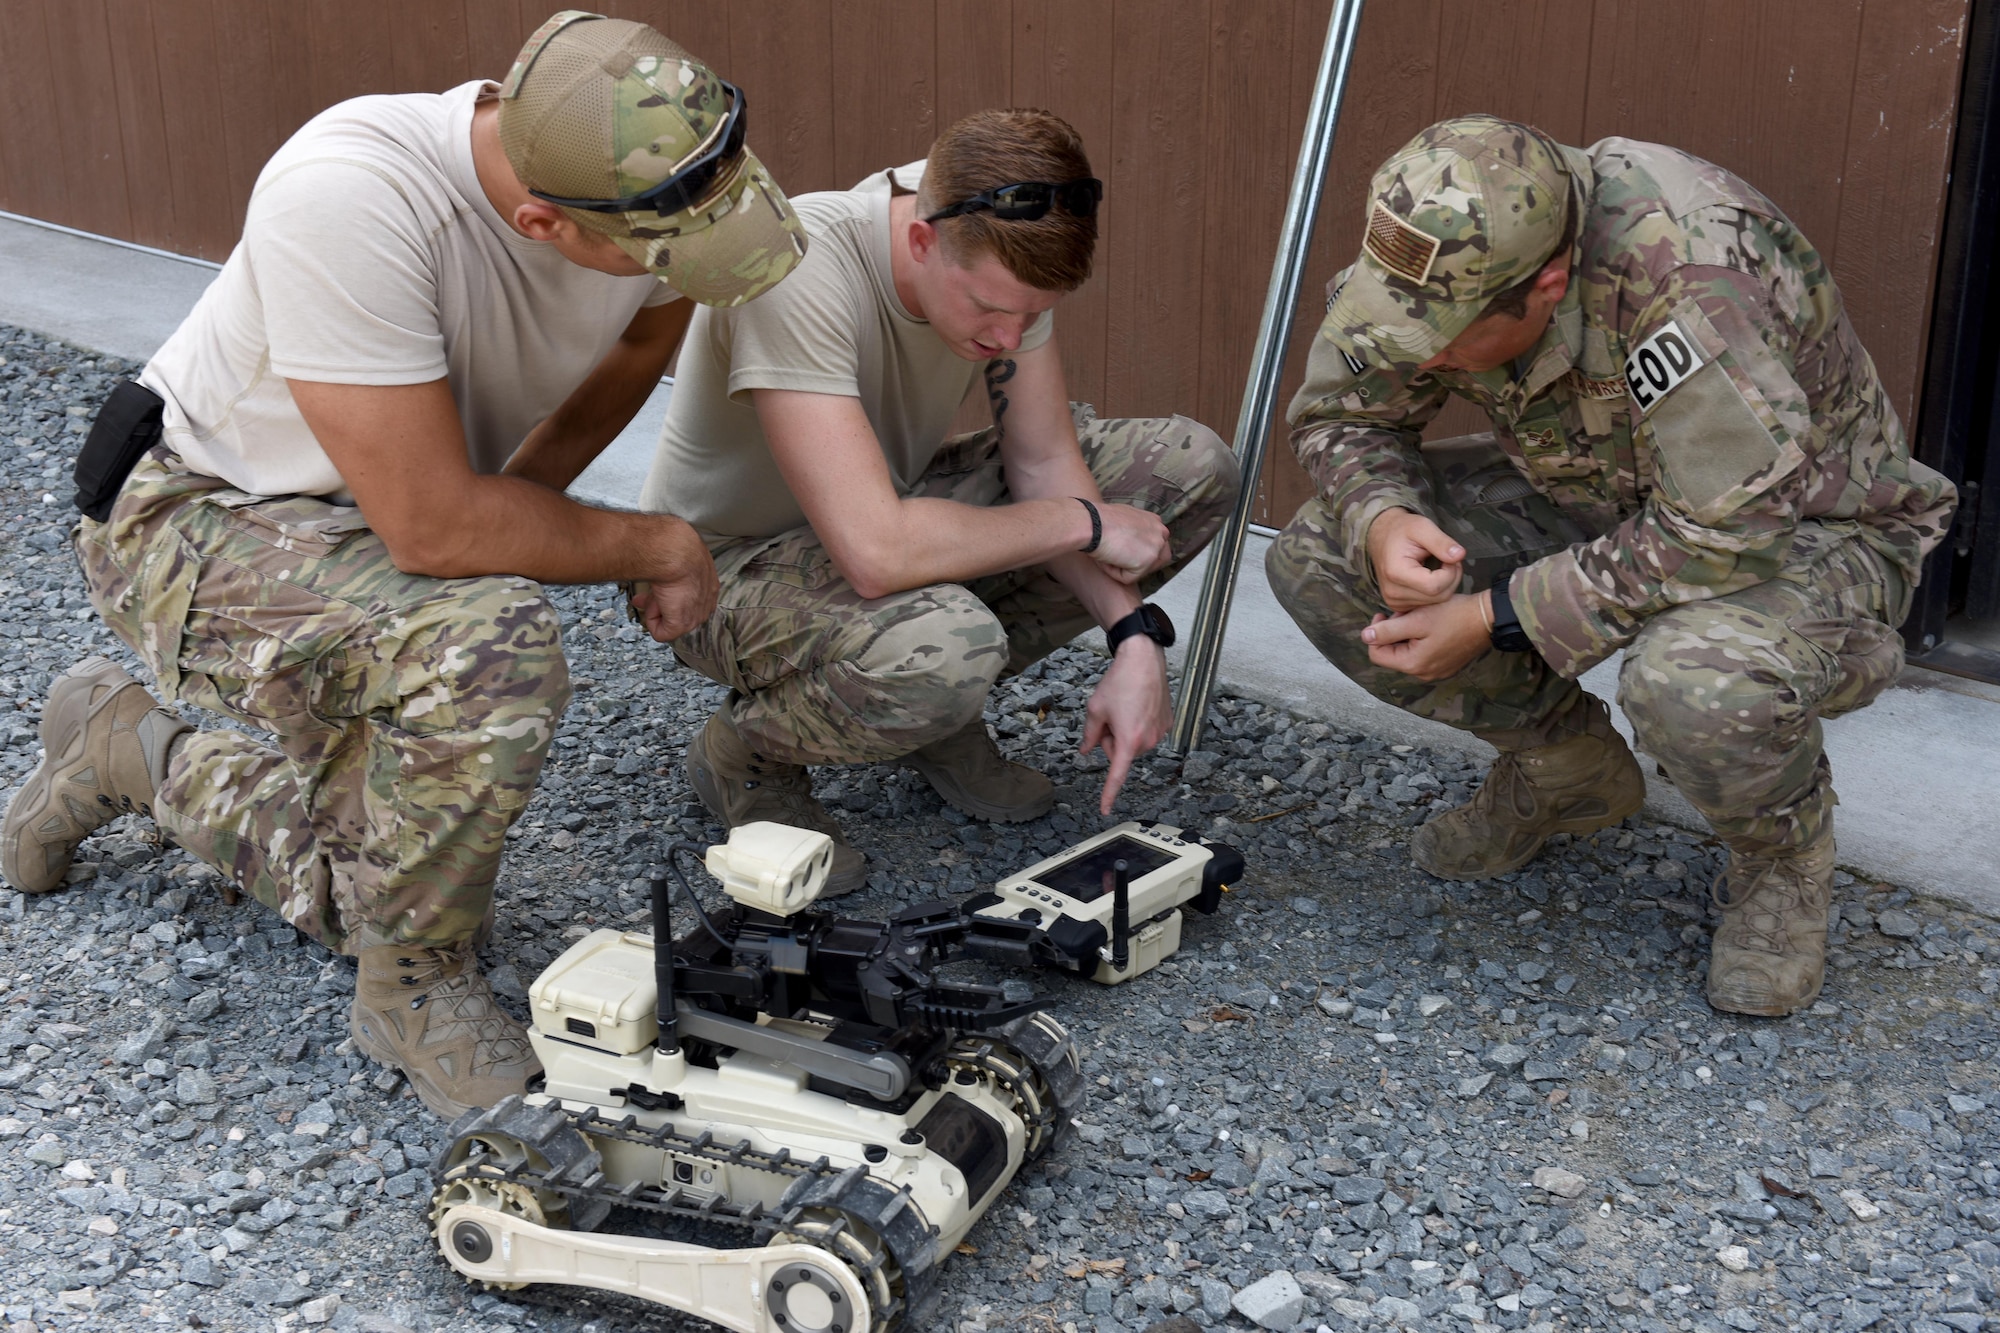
(1158, 627)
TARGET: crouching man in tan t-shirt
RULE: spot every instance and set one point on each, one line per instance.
(442, 308)
(877, 578)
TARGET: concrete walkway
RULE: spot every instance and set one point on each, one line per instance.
(117, 298)
(1919, 772)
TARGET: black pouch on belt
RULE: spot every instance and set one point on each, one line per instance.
(126, 427)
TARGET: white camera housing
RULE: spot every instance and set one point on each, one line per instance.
(772, 867)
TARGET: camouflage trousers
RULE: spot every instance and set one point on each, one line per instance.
(1726, 693)
(820, 674)
(403, 719)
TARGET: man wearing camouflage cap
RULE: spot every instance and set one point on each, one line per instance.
(442, 308)
(1692, 459)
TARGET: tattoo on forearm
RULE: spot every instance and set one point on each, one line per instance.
(997, 374)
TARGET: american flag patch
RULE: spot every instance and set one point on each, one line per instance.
(1399, 247)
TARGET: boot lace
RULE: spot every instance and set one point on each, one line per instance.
(1771, 889)
(460, 1002)
(1501, 790)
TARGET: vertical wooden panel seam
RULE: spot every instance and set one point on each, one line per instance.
(1202, 333)
(182, 165)
(1590, 120)
(1110, 159)
(148, 184)
(271, 39)
(833, 135)
(117, 129)
(1847, 141)
(6, 179)
(47, 59)
(1590, 51)
(1203, 182)
(1437, 81)
(48, 56)
(1103, 264)
(180, 224)
(727, 55)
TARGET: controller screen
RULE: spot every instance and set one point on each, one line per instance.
(1082, 877)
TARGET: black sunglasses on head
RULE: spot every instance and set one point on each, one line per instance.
(1026, 201)
(690, 184)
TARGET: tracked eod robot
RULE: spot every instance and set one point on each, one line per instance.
(784, 1122)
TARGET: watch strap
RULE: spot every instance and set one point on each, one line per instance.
(1148, 620)
(1506, 633)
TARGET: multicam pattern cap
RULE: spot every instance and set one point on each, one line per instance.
(599, 108)
(1463, 211)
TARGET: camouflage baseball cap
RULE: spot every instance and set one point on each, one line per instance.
(1463, 211)
(605, 109)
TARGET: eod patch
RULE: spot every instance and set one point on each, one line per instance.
(1661, 362)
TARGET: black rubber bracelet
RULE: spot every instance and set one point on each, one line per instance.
(1096, 524)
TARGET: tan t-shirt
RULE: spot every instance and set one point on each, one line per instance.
(835, 326)
(370, 255)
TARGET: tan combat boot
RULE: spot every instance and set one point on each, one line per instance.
(1577, 785)
(974, 778)
(430, 1013)
(740, 786)
(105, 745)
(1769, 954)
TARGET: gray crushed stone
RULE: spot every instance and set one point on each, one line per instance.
(1353, 1076)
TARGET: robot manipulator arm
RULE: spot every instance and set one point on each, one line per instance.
(882, 974)
(898, 995)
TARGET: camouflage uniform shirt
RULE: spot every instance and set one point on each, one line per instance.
(1698, 393)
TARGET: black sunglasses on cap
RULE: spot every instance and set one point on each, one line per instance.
(690, 184)
(1026, 201)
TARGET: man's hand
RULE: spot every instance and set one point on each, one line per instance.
(1431, 642)
(1416, 562)
(1128, 713)
(672, 606)
(1134, 542)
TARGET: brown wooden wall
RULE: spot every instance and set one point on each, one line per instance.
(148, 120)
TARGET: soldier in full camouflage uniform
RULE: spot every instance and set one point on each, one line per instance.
(1692, 459)
(331, 559)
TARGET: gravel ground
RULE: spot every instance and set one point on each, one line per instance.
(1359, 1098)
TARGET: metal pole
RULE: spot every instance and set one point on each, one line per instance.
(1253, 421)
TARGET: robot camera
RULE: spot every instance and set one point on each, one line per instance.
(773, 868)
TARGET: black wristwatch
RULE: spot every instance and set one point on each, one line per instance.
(1148, 620)
(1507, 634)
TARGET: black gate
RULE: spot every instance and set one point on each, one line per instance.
(1955, 623)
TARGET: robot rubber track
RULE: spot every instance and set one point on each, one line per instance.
(877, 1233)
